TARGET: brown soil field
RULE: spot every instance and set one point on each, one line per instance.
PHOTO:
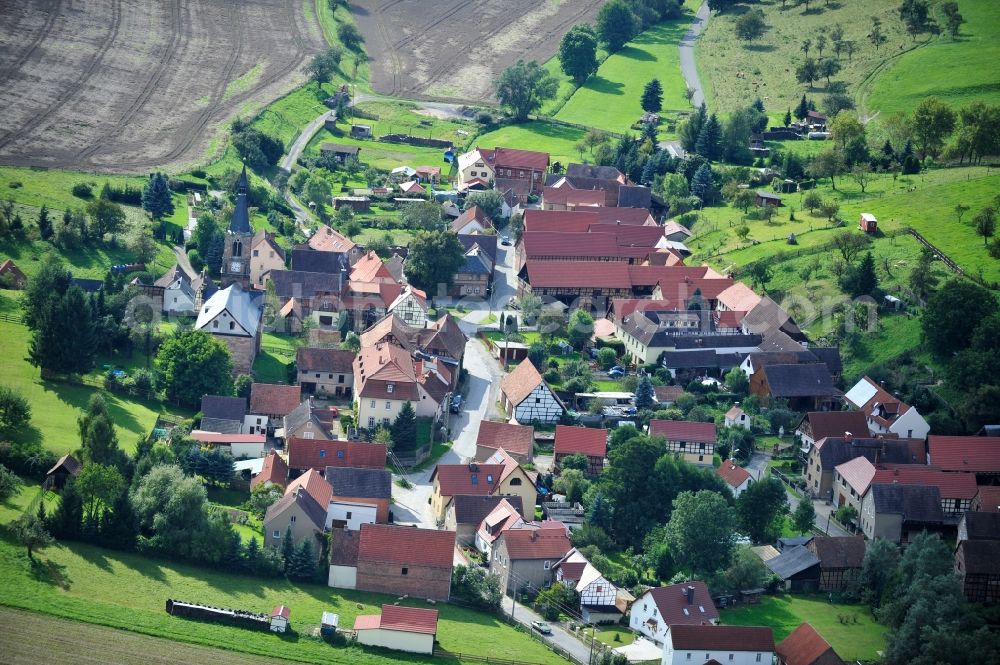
(29, 638)
(453, 49)
(128, 86)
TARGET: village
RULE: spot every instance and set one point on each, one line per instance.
(418, 381)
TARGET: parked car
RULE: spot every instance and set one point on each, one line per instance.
(456, 404)
(616, 372)
(512, 303)
(505, 241)
(542, 627)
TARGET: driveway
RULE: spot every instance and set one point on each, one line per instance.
(688, 68)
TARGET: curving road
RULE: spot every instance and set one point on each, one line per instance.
(688, 68)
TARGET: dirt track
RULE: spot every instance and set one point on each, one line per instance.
(453, 49)
(127, 86)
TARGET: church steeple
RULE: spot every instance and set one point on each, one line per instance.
(241, 215)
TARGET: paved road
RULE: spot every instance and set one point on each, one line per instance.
(559, 637)
(688, 68)
(182, 261)
(289, 160)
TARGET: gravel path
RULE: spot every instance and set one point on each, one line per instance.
(688, 68)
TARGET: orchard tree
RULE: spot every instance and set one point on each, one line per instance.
(578, 53)
(652, 97)
(751, 25)
(192, 363)
(491, 201)
(986, 224)
(616, 24)
(933, 122)
(580, 328)
(952, 314)
(953, 18)
(524, 87)
(31, 533)
(433, 260)
(105, 217)
(323, 65)
(804, 517)
(700, 533)
(422, 215)
(15, 410)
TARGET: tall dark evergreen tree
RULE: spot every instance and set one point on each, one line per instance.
(288, 550)
(120, 526)
(708, 139)
(644, 394)
(156, 198)
(97, 434)
(652, 97)
(691, 130)
(802, 110)
(66, 522)
(45, 229)
(702, 184)
(404, 428)
(62, 337)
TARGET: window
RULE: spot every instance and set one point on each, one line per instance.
(405, 571)
(317, 375)
(600, 589)
(385, 421)
(348, 514)
(340, 378)
(292, 519)
(538, 400)
(474, 479)
(489, 478)
(232, 325)
(340, 454)
(514, 482)
(308, 435)
(390, 387)
(371, 422)
(388, 404)
(701, 458)
(758, 658)
(373, 404)
(730, 657)
(258, 421)
(689, 655)
(277, 534)
(256, 252)
(329, 376)
(546, 565)
(215, 324)
(322, 451)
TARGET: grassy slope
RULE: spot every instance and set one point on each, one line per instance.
(959, 71)
(733, 73)
(860, 640)
(610, 99)
(557, 140)
(128, 591)
(55, 406)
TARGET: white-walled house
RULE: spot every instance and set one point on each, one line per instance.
(885, 413)
(655, 611)
(735, 645)
(597, 594)
(527, 397)
(401, 628)
(737, 417)
(352, 514)
(737, 479)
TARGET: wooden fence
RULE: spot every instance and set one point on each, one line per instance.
(10, 318)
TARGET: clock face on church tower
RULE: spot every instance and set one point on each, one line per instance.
(236, 266)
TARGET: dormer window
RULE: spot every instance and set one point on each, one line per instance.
(390, 387)
(489, 478)
(474, 479)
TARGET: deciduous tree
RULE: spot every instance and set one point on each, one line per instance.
(433, 260)
(524, 87)
(31, 533)
(700, 532)
(804, 516)
(192, 363)
(616, 24)
(751, 25)
(933, 122)
(578, 53)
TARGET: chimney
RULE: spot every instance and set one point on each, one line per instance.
(689, 592)
(848, 437)
(534, 535)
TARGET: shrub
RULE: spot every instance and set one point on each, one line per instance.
(552, 376)
(83, 190)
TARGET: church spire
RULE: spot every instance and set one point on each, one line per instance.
(241, 216)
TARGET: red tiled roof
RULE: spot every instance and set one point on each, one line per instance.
(951, 485)
(470, 479)
(409, 619)
(989, 499)
(806, 647)
(516, 439)
(632, 216)
(972, 454)
(722, 638)
(536, 543)
(667, 393)
(556, 243)
(517, 159)
(559, 220)
(377, 367)
(630, 235)
(367, 622)
(281, 611)
(571, 440)
(314, 485)
(858, 473)
(671, 601)
(473, 214)
(272, 398)
(388, 543)
(578, 274)
(519, 383)
(370, 268)
(274, 471)
(317, 454)
(324, 360)
(681, 430)
(570, 196)
(732, 473)
(326, 239)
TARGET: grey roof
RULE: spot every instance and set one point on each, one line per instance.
(311, 260)
(811, 380)
(792, 541)
(87, 285)
(474, 509)
(244, 307)
(837, 450)
(241, 214)
(982, 526)
(300, 284)
(475, 265)
(768, 315)
(716, 341)
(298, 417)
(172, 275)
(360, 483)
(633, 196)
(315, 512)
(831, 356)
(592, 171)
(703, 358)
(221, 425)
(792, 562)
(223, 407)
(916, 503)
(487, 243)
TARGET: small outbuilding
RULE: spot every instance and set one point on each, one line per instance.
(328, 624)
(410, 629)
(361, 131)
(868, 223)
(67, 467)
(279, 619)
(767, 199)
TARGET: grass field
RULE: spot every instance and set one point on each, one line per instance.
(557, 140)
(610, 99)
(959, 71)
(55, 406)
(860, 639)
(128, 591)
(733, 73)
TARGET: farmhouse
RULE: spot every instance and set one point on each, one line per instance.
(806, 647)
(840, 560)
(325, 371)
(328, 240)
(358, 496)
(586, 441)
(832, 451)
(398, 560)
(305, 454)
(466, 513)
(401, 628)
(472, 221)
(220, 413)
(816, 425)
(737, 479)
(657, 609)
(806, 387)
(526, 397)
(296, 515)
(233, 316)
(899, 512)
(886, 414)
(269, 404)
(265, 255)
(979, 455)
(741, 645)
(693, 442)
(177, 292)
(523, 558)
(514, 480)
(308, 421)
(597, 594)
(516, 440)
(451, 480)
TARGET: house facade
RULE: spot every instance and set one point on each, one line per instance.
(410, 629)
(885, 413)
(589, 442)
(296, 515)
(527, 398)
(402, 560)
(523, 558)
(692, 442)
(652, 613)
(739, 645)
(265, 255)
(233, 316)
(597, 593)
(325, 371)
(451, 480)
